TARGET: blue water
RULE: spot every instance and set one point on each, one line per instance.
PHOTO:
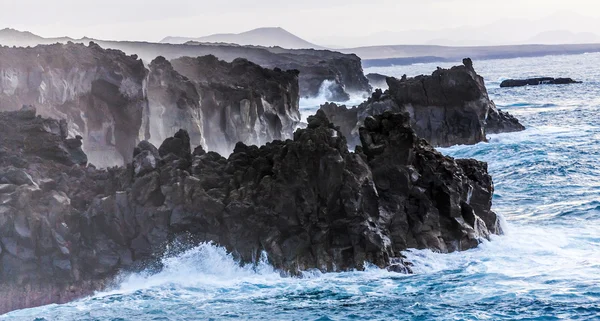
(546, 267)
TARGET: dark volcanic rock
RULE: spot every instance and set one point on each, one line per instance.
(100, 92)
(239, 101)
(307, 202)
(447, 108)
(537, 81)
(315, 66)
(377, 80)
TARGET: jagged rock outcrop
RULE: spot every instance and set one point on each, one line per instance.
(447, 108)
(67, 230)
(537, 81)
(238, 101)
(100, 92)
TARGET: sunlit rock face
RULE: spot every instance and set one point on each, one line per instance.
(100, 92)
(225, 103)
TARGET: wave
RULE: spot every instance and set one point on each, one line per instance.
(310, 105)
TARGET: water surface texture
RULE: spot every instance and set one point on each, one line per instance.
(546, 267)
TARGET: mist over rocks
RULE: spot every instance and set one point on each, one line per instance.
(100, 92)
(315, 66)
(447, 108)
(113, 102)
(242, 101)
(309, 202)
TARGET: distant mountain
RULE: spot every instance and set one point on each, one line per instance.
(506, 31)
(12, 37)
(564, 37)
(267, 37)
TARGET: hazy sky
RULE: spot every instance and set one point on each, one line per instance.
(314, 20)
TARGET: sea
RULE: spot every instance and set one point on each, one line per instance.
(545, 267)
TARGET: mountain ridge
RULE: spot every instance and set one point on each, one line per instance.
(267, 36)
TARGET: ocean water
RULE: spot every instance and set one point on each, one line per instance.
(546, 267)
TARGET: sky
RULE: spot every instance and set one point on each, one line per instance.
(335, 22)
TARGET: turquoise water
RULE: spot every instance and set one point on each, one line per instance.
(546, 267)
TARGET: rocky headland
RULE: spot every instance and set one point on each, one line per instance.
(68, 229)
(449, 107)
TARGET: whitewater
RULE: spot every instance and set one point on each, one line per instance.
(545, 267)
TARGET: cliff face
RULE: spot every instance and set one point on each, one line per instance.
(447, 108)
(174, 103)
(241, 101)
(112, 101)
(100, 92)
(67, 230)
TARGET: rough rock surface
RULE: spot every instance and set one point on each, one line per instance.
(447, 108)
(238, 101)
(537, 81)
(66, 230)
(100, 92)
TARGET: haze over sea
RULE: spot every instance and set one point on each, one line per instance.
(546, 267)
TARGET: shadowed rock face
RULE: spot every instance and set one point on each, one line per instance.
(447, 108)
(67, 230)
(100, 92)
(239, 101)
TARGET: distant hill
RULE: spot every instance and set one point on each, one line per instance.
(12, 37)
(564, 37)
(267, 37)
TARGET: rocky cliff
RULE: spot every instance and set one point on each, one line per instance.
(113, 102)
(315, 66)
(344, 71)
(100, 92)
(67, 229)
(447, 108)
(237, 102)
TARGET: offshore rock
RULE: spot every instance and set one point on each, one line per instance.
(99, 92)
(377, 80)
(308, 202)
(537, 81)
(449, 107)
